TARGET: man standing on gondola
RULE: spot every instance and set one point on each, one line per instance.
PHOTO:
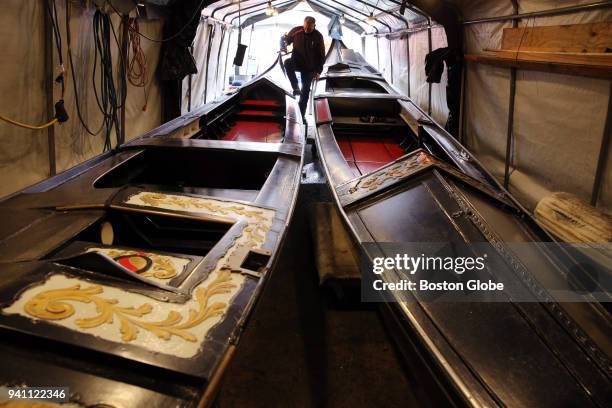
(307, 58)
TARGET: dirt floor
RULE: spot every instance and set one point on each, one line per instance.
(302, 349)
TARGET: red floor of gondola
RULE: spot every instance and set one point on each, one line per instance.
(254, 131)
(366, 154)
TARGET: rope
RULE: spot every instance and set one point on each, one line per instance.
(26, 126)
(137, 68)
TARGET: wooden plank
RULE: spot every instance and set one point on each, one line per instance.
(593, 37)
(588, 70)
(580, 58)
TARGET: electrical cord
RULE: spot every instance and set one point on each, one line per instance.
(26, 126)
(72, 71)
(58, 42)
(137, 66)
(197, 11)
(106, 98)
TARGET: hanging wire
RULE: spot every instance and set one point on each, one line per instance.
(173, 36)
(73, 75)
(137, 66)
(106, 98)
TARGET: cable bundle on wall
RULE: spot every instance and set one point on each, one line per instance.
(108, 98)
(137, 67)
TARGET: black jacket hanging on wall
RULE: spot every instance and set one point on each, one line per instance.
(176, 61)
(434, 67)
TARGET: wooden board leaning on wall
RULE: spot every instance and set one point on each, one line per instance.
(576, 49)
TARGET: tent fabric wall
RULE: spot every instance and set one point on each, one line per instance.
(200, 51)
(419, 88)
(558, 119)
(24, 154)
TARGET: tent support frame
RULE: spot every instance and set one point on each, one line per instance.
(602, 160)
(544, 13)
(510, 126)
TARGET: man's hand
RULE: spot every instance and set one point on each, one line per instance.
(317, 76)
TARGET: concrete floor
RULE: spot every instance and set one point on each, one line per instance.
(301, 350)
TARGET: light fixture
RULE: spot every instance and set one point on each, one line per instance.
(269, 9)
(342, 19)
(371, 17)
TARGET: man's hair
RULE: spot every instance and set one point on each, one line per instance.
(309, 19)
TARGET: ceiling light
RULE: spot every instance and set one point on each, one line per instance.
(342, 19)
(269, 9)
(371, 17)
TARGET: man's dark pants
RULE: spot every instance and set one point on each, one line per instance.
(290, 68)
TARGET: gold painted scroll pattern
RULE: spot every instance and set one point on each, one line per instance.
(396, 171)
(54, 304)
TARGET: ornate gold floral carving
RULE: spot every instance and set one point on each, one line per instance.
(187, 203)
(396, 171)
(57, 305)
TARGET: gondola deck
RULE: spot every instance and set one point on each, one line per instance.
(398, 178)
(152, 256)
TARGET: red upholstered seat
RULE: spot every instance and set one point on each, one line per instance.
(270, 103)
(252, 112)
(370, 149)
(366, 154)
(254, 131)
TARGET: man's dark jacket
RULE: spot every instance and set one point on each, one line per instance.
(308, 49)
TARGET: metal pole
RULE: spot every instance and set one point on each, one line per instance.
(189, 87)
(408, 59)
(377, 55)
(223, 31)
(544, 13)
(429, 45)
(229, 40)
(602, 161)
(391, 59)
(49, 74)
(510, 125)
(210, 35)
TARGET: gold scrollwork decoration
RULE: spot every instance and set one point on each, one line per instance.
(56, 305)
(393, 172)
(190, 203)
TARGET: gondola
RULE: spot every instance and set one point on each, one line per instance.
(129, 278)
(397, 178)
